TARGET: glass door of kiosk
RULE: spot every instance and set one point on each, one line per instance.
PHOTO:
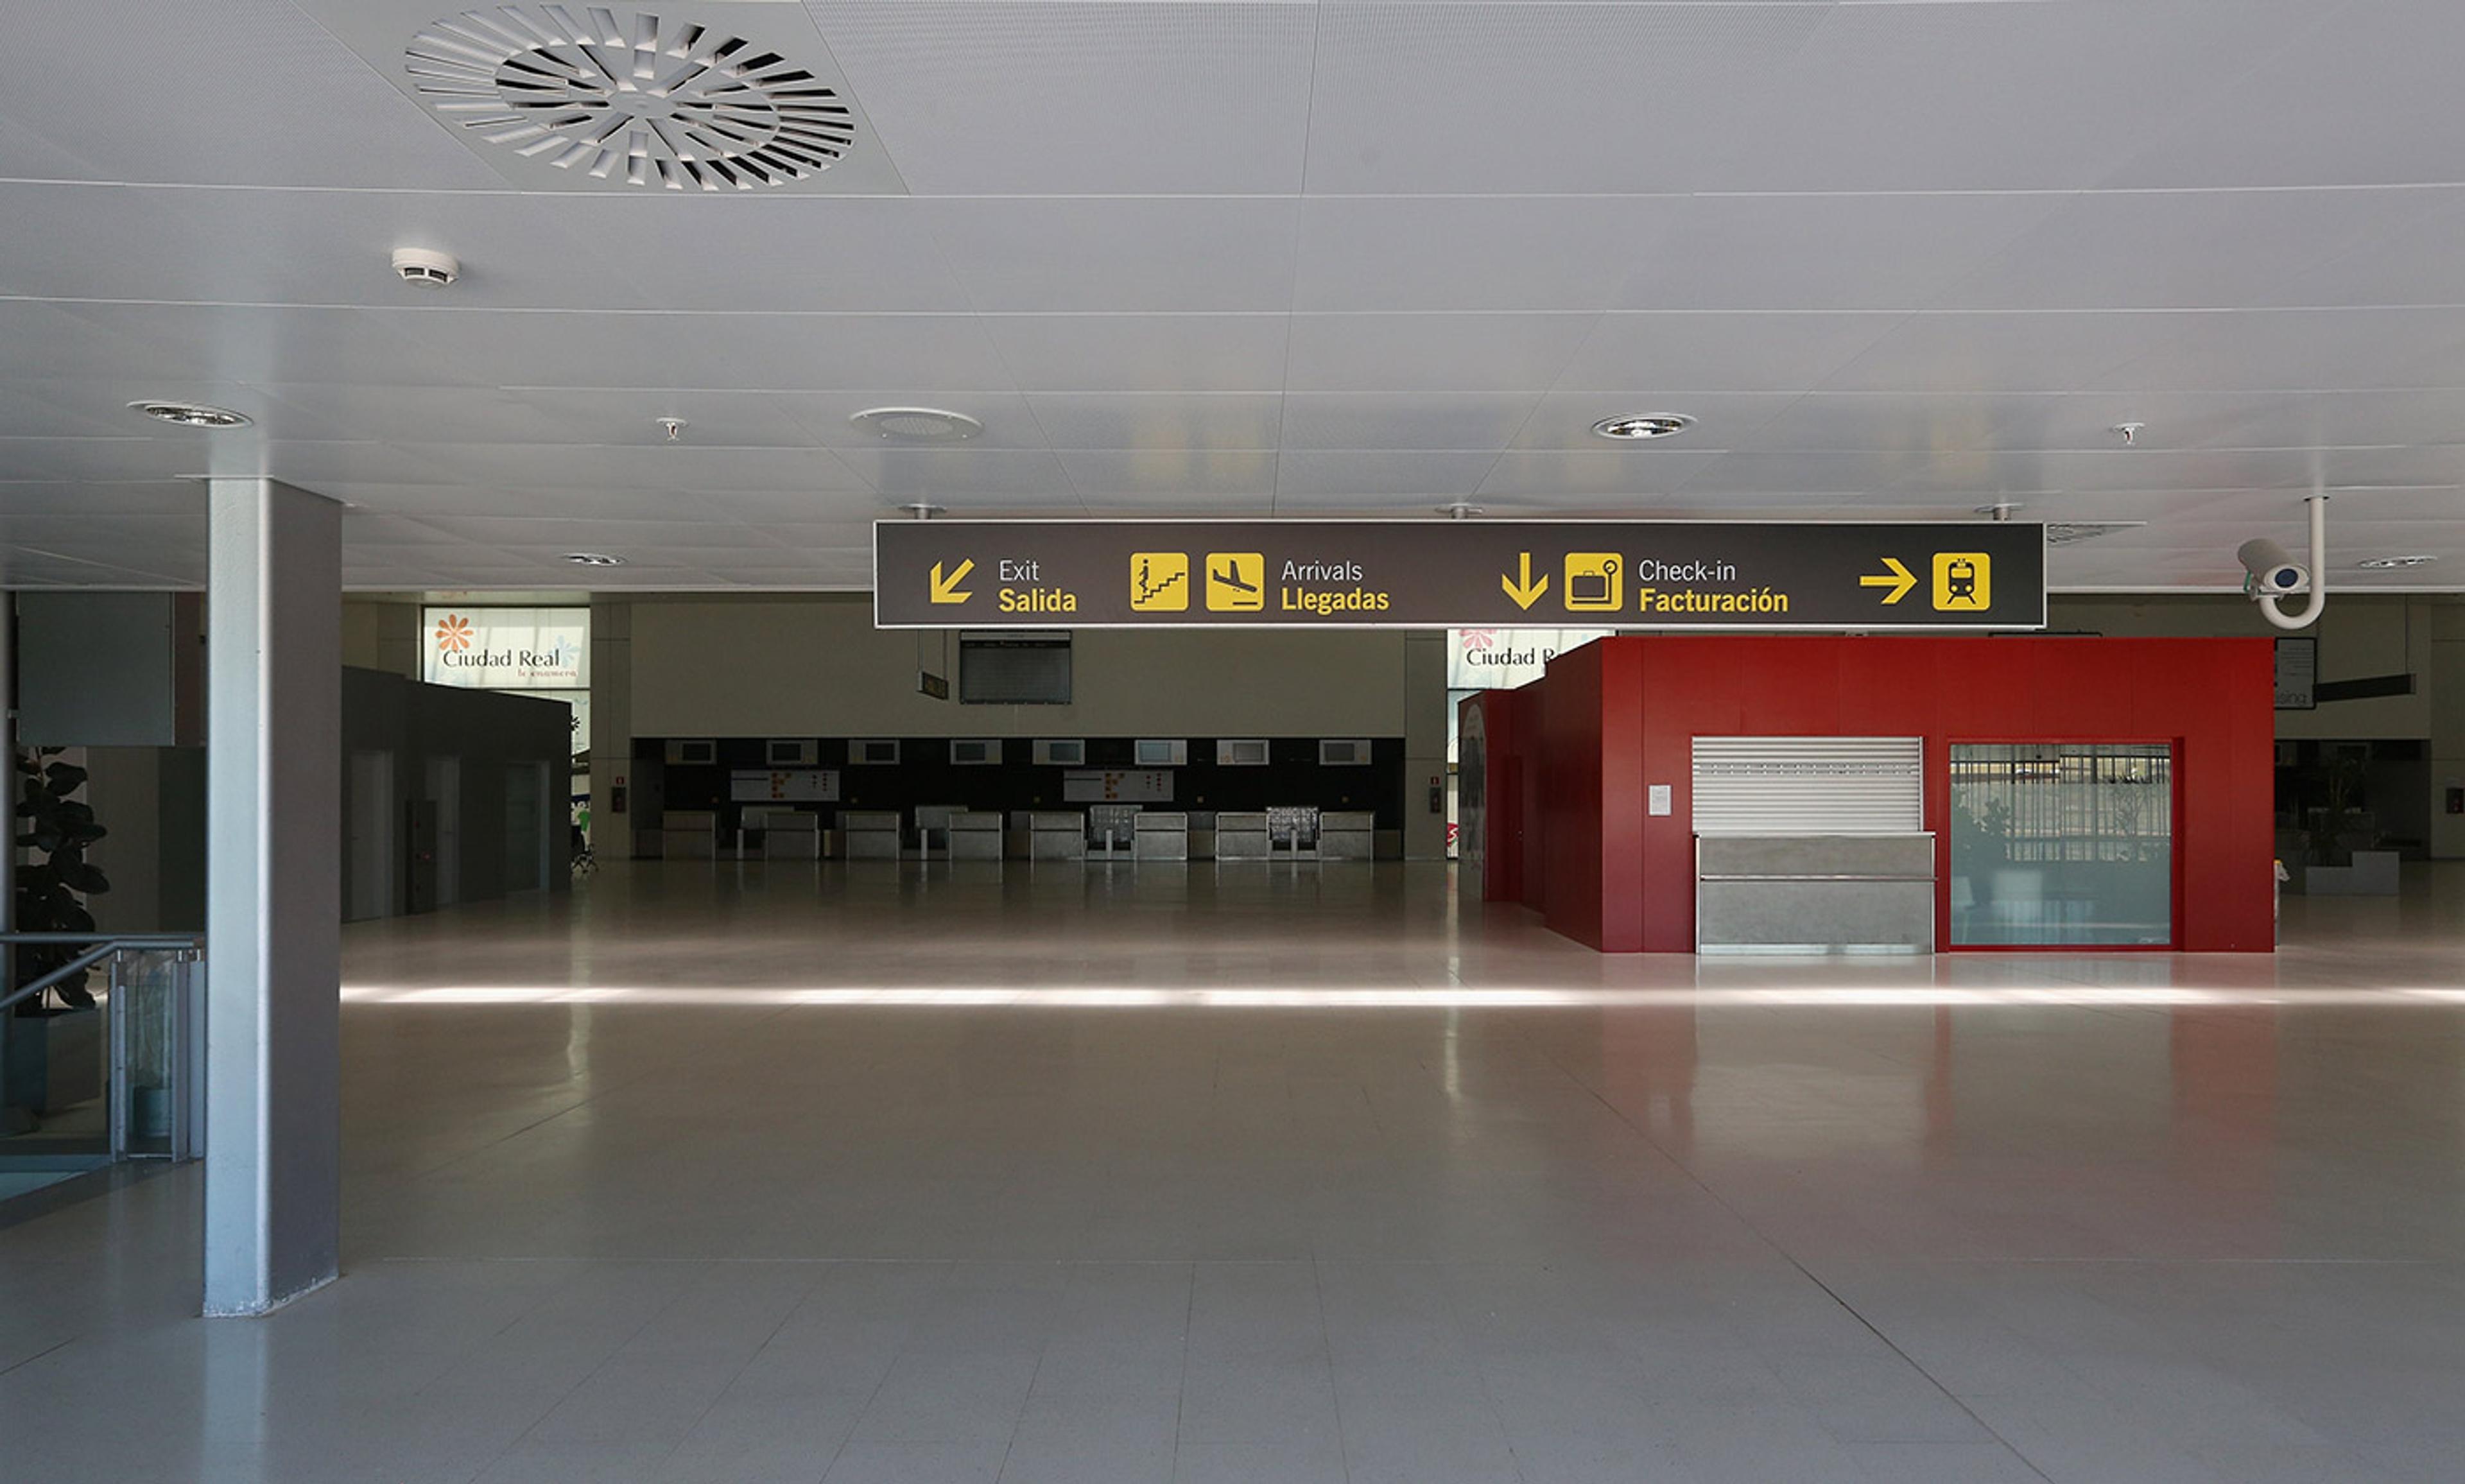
(2062, 844)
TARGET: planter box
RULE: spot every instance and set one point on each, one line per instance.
(2373, 874)
(55, 1061)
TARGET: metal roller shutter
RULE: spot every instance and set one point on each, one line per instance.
(1800, 785)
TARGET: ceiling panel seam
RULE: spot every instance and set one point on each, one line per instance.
(1293, 286)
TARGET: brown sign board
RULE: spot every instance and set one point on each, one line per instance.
(1458, 574)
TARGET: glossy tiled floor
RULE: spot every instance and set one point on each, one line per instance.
(1169, 1175)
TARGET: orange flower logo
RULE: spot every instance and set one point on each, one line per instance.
(453, 634)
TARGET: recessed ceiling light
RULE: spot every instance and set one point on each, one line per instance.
(593, 558)
(917, 424)
(2064, 533)
(193, 414)
(1647, 424)
(2386, 564)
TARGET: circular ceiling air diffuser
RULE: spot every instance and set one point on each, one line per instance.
(637, 99)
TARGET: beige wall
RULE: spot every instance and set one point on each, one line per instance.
(812, 665)
(816, 667)
(381, 636)
(2360, 635)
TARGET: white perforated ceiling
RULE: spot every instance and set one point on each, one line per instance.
(1248, 256)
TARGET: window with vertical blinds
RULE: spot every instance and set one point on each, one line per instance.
(2062, 843)
(1796, 785)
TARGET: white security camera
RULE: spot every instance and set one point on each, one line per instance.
(2273, 572)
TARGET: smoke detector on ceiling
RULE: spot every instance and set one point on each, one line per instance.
(424, 268)
(631, 98)
(917, 424)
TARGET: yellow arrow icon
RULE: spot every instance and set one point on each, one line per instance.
(944, 588)
(1528, 590)
(1900, 580)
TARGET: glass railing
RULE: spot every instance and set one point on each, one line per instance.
(102, 1042)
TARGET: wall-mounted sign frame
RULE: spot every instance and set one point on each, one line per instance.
(784, 786)
(1116, 786)
(506, 648)
(1460, 574)
(1500, 659)
(2297, 674)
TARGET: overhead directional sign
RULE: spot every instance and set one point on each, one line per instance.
(1460, 574)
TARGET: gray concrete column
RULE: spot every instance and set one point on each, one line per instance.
(273, 908)
(1424, 743)
(12, 1119)
(2443, 675)
(612, 726)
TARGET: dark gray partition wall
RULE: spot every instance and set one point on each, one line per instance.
(449, 795)
(110, 669)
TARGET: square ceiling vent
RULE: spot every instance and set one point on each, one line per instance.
(735, 98)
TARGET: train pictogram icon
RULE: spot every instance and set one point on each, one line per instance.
(1959, 581)
(1964, 582)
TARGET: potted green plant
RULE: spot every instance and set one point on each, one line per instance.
(55, 1038)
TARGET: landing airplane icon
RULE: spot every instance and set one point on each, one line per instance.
(1237, 581)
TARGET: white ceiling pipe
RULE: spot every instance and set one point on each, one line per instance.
(2319, 594)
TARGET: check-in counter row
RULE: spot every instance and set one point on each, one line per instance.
(1296, 834)
(1106, 832)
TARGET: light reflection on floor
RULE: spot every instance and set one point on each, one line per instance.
(1805, 996)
